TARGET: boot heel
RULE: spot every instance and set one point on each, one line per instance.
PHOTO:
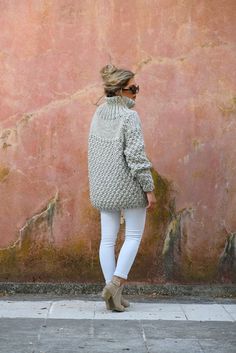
(106, 296)
(115, 293)
(110, 304)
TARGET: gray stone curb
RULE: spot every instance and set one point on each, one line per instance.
(173, 290)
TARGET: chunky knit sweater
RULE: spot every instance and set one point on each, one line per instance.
(118, 168)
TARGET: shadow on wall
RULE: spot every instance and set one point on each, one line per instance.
(162, 255)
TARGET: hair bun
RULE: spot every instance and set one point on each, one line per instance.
(107, 71)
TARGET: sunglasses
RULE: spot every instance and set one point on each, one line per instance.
(132, 89)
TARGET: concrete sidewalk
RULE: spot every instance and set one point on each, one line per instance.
(84, 325)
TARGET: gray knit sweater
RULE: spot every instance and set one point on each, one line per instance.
(118, 168)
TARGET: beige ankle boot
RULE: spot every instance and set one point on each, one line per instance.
(112, 294)
(110, 304)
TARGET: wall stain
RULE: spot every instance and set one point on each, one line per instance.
(228, 109)
(36, 262)
(34, 256)
(227, 260)
(4, 172)
(148, 264)
(162, 254)
(174, 244)
(40, 226)
(6, 136)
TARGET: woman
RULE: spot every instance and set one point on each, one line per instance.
(119, 179)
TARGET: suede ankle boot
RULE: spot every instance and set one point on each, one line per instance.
(110, 304)
(112, 294)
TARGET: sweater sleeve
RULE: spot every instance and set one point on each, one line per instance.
(134, 152)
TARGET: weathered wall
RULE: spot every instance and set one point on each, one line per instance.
(51, 52)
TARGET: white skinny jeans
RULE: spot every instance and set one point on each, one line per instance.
(110, 223)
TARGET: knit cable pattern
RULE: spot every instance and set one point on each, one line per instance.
(135, 152)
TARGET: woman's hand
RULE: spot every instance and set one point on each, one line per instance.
(151, 200)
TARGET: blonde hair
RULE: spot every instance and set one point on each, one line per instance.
(114, 79)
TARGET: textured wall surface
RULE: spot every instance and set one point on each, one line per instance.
(184, 54)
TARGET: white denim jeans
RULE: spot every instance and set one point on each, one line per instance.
(110, 223)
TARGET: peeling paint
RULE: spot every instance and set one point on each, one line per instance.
(39, 228)
(172, 248)
(7, 136)
(41, 224)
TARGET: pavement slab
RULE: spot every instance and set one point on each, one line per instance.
(87, 309)
(99, 336)
(19, 335)
(29, 309)
(208, 312)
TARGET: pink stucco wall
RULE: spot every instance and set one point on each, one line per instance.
(50, 56)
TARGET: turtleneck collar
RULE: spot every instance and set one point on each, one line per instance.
(115, 107)
(123, 100)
